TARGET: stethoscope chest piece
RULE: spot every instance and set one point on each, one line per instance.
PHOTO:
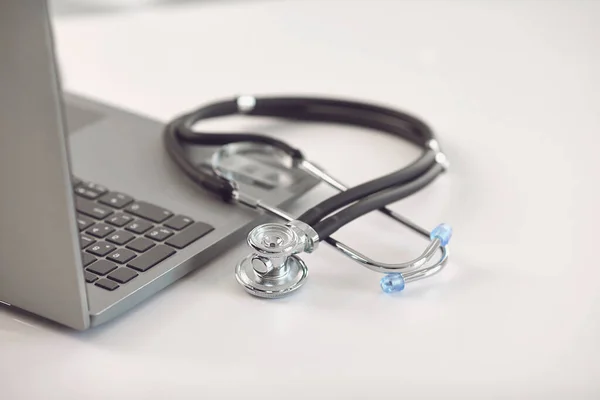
(273, 269)
(289, 278)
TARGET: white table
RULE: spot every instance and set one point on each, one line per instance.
(511, 88)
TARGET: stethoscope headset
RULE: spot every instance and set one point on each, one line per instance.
(274, 268)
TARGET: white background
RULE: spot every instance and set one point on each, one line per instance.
(513, 92)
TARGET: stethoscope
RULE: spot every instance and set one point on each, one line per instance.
(273, 269)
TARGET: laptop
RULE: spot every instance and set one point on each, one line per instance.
(94, 216)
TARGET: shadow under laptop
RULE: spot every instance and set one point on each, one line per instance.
(153, 314)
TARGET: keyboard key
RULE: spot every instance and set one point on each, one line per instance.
(120, 237)
(178, 222)
(106, 284)
(87, 193)
(189, 235)
(149, 211)
(102, 267)
(91, 209)
(159, 234)
(75, 181)
(89, 277)
(121, 256)
(87, 259)
(101, 249)
(120, 220)
(100, 230)
(84, 222)
(139, 226)
(94, 186)
(85, 241)
(116, 200)
(151, 258)
(123, 275)
(140, 245)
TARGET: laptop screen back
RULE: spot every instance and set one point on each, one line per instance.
(40, 266)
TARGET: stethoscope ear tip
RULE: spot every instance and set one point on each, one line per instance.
(392, 283)
(442, 232)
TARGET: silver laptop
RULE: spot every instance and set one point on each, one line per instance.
(94, 216)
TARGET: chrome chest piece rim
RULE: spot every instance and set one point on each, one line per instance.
(272, 270)
(293, 276)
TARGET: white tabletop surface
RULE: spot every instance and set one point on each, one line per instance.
(513, 91)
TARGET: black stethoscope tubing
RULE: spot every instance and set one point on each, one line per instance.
(338, 210)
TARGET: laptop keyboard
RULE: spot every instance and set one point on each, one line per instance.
(121, 237)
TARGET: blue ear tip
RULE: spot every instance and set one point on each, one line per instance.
(443, 232)
(392, 283)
